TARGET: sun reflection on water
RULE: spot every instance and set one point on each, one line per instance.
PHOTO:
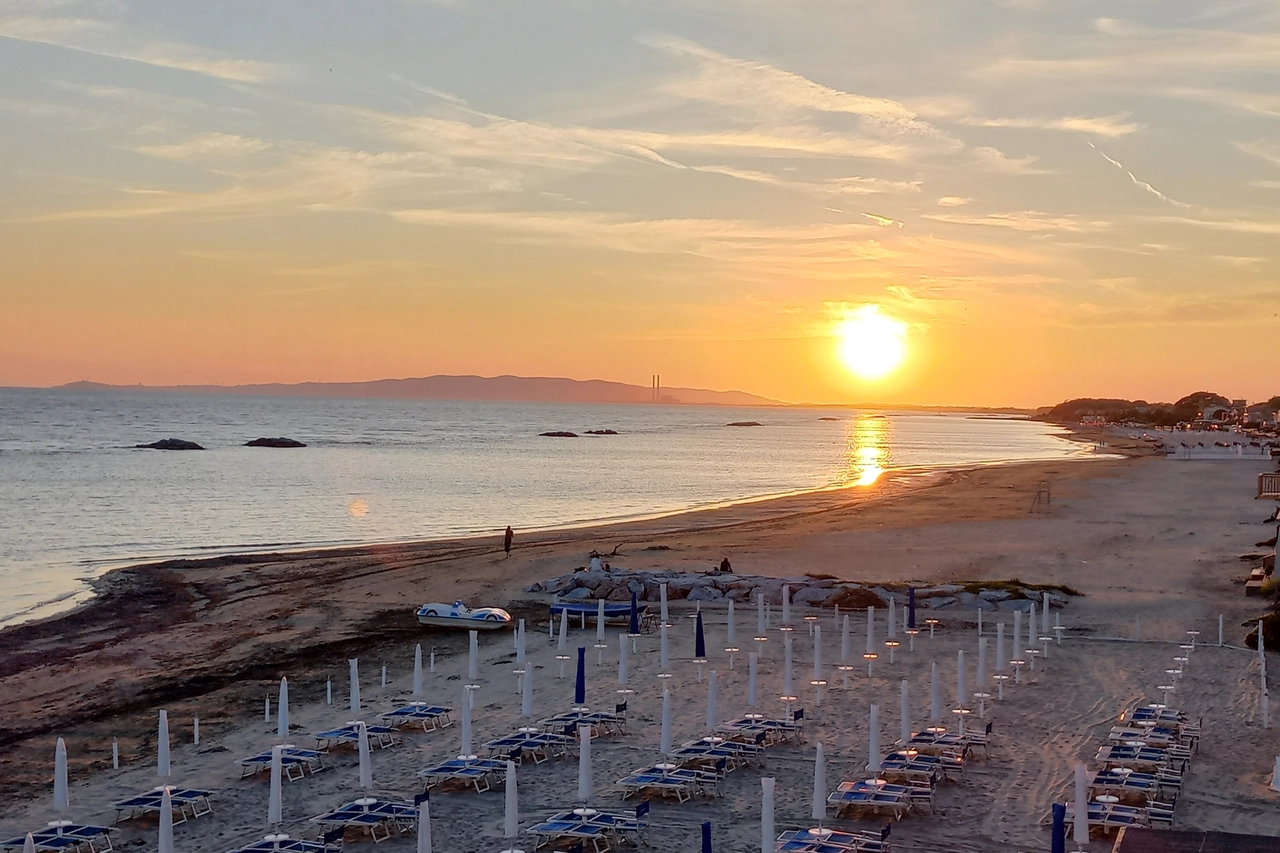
(867, 449)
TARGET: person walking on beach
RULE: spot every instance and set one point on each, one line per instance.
(506, 541)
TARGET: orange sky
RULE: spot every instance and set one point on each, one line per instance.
(648, 191)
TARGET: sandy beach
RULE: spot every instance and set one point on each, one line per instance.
(1138, 537)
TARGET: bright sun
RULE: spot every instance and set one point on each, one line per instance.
(871, 344)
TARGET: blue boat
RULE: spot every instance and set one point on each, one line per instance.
(613, 611)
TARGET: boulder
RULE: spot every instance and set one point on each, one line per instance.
(620, 592)
(1011, 604)
(170, 444)
(535, 587)
(274, 442)
(582, 593)
(601, 432)
(940, 602)
(744, 423)
(558, 433)
(994, 594)
(943, 589)
(605, 589)
(969, 601)
(812, 595)
(741, 593)
(705, 593)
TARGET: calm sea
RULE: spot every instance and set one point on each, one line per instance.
(78, 499)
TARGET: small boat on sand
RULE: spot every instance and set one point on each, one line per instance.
(458, 615)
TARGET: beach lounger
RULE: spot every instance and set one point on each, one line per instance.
(430, 717)
(380, 818)
(865, 795)
(187, 803)
(477, 772)
(540, 746)
(1134, 757)
(295, 763)
(1108, 816)
(379, 736)
(64, 835)
(575, 828)
(330, 842)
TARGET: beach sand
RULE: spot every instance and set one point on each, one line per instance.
(1141, 537)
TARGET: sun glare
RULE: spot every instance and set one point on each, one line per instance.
(871, 344)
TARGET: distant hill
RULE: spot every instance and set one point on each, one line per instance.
(521, 389)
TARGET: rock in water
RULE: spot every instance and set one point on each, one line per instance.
(745, 423)
(274, 442)
(602, 432)
(559, 434)
(170, 444)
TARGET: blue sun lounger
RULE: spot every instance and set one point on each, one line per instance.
(570, 825)
(540, 746)
(295, 762)
(330, 842)
(479, 772)
(64, 835)
(431, 717)
(874, 797)
(379, 736)
(188, 803)
(834, 841)
(373, 815)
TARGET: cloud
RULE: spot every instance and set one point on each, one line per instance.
(125, 42)
(1023, 220)
(1263, 149)
(1110, 126)
(952, 201)
(206, 145)
(1243, 226)
(995, 160)
(1146, 186)
(882, 221)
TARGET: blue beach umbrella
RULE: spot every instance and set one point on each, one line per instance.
(1058, 843)
(580, 683)
(706, 836)
(700, 641)
(911, 607)
(633, 628)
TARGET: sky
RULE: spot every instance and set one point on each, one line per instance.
(1060, 199)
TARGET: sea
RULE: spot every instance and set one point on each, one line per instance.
(80, 499)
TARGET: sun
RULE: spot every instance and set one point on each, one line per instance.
(871, 344)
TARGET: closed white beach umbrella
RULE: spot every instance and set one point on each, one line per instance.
(664, 739)
(61, 798)
(274, 803)
(663, 655)
(520, 651)
(1080, 829)
(1031, 627)
(622, 660)
(282, 710)
(871, 629)
(511, 824)
(662, 597)
(564, 630)
(982, 665)
(29, 846)
(1017, 635)
(166, 821)
(752, 668)
(788, 682)
(466, 721)
(584, 763)
(417, 672)
(760, 614)
(1002, 662)
(767, 842)
(817, 652)
(1044, 614)
(962, 694)
(354, 665)
(873, 742)
(730, 632)
(600, 620)
(935, 696)
(905, 732)
(473, 655)
(366, 763)
(844, 639)
(424, 826)
(819, 785)
(162, 749)
(786, 604)
(712, 718)
(526, 700)
(892, 623)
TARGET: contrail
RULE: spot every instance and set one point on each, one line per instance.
(882, 220)
(1146, 186)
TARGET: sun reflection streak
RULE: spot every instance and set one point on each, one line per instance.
(867, 449)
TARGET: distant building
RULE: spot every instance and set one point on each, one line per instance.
(1261, 413)
(1217, 414)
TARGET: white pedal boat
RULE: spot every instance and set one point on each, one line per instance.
(458, 615)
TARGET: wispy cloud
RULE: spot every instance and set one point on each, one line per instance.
(952, 201)
(1023, 220)
(1109, 126)
(1146, 186)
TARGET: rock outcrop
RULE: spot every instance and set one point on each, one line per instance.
(744, 423)
(617, 585)
(559, 433)
(170, 444)
(274, 442)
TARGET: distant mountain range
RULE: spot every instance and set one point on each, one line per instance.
(522, 389)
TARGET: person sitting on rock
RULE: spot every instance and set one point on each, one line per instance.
(725, 567)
